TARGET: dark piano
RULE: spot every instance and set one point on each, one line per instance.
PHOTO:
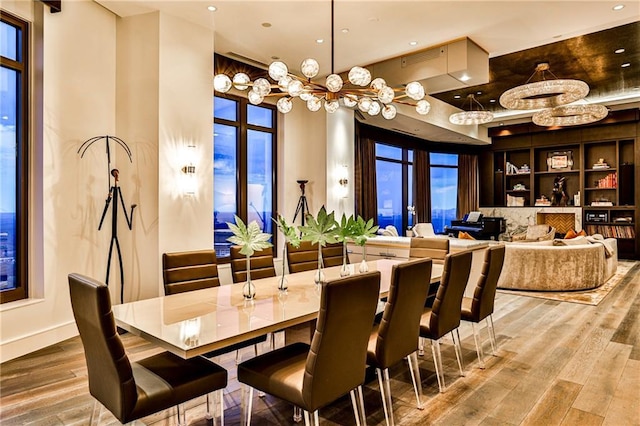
(484, 228)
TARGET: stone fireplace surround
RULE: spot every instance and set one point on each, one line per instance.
(524, 216)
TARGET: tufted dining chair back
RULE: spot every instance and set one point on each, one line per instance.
(435, 248)
(189, 270)
(261, 264)
(302, 258)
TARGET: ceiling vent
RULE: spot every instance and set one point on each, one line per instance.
(455, 65)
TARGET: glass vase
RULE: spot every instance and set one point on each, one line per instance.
(319, 277)
(364, 267)
(344, 270)
(249, 289)
(282, 284)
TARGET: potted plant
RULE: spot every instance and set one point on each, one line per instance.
(251, 239)
(344, 232)
(290, 236)
(320, 230)
(361, 232)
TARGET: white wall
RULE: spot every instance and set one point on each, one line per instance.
(147, 80)
(79, 102)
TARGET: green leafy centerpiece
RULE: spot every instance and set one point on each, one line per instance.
(321, 231)
(345, 232)
(251, 239)
(290, 234)
(361, 231)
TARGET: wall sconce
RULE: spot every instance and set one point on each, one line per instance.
(189, 171)
(344, 181)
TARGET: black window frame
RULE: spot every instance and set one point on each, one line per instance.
(243, 127)
(405, 178)
(21, 65)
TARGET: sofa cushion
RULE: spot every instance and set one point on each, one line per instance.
(537, 231)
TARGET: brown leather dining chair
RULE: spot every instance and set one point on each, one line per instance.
(480, 306)
(312, 376)
(131, 390)
(444, 316)
(189, 270)
(302, 258)
(434, 248)
(194, 270)
(396, 337)
(261, 264)
(332, 255)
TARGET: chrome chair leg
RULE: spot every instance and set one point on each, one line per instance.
(385, 394)
(458, 349)
(246, 405)
(297, 414)
(492, 334)
(414, 368)
(354, 404)
(96, 413)
(476, 339)
(218, 402)
(363, 415)
(437, 361)
(182, 415)
(420, 346)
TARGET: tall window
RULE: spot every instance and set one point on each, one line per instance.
(13, 158)
(243, 166)
(444, 189)
(394, 176)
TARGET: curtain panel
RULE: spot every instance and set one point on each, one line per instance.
(366, 196)
(468, 184)
(422, 197)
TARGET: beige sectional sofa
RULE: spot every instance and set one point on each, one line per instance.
(544, 266)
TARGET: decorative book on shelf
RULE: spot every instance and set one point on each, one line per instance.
(601, 203)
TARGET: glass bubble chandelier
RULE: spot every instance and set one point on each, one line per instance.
(371, 96)
(544, 93)
(472, 116)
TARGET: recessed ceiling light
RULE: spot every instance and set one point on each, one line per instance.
(266, 24)
(211, 8)
(465, 78)
(456, 96)
(618, 51)
(626, 64)
(320, 41)
(275, 58)
(557, 36)
(501, 123)
(478, 92)
(344, 30)
(492, 101)
(413, 43)
(618, 7)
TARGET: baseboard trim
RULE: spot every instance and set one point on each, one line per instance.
(22, 345)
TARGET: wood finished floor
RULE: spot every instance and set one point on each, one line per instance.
(557, 363)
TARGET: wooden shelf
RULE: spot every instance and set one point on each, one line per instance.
(559, 172)
(610, 169)
(597, 189)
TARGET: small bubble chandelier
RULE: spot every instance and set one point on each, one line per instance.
(477, 116)
(544, 93)
(369, 96)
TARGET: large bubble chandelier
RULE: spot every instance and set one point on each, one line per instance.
(371, 96)
(544, 93)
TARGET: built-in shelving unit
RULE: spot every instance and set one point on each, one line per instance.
(598, 166)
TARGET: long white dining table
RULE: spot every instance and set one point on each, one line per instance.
(196, 322)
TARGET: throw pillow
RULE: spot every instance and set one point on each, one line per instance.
(536, 231)
(582, 233)
(570, 234)
(464, 236)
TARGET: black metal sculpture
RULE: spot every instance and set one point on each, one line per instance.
(115, 194)
(559, 195)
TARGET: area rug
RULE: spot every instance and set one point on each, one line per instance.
(587, 297)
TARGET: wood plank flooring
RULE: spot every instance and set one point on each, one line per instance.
(558, 363)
